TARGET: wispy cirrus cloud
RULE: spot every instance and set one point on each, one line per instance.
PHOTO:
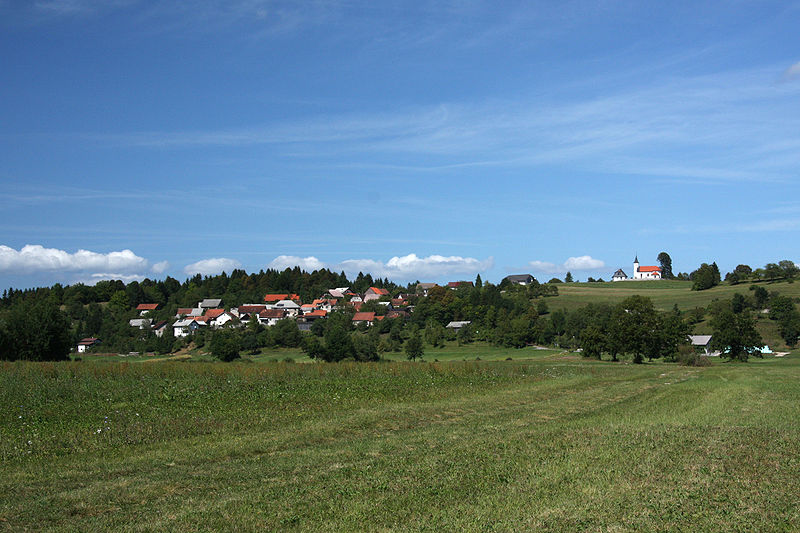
(792, 73)
(734, 126)
(402, 268)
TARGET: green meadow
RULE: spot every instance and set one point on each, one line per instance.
(664, 293)
(551, 442)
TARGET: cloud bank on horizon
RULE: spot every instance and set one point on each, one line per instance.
(406, 268)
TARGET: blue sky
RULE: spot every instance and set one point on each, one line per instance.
(413, 140)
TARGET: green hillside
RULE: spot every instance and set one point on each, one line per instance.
(664, 294)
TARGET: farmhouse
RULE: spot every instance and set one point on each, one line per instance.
(703, 343)
(146, 308)
(87, 343)
(520, 279)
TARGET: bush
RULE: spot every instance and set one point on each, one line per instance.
(688, 356)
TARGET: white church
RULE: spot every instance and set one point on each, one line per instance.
(640, 273)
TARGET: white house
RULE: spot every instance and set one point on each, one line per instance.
(291, 308)
(86, 343)
(140, 323)
(619, 275)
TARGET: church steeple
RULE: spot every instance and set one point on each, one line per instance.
(636, 260)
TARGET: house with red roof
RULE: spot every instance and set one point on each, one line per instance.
(87, 343)
(374, 293)
(367, 316)
(146, 308)
(270, 317)
(456, 284)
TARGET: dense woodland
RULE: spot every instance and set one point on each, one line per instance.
(45, 323)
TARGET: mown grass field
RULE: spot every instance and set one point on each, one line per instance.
(664, 294)
(553, 443)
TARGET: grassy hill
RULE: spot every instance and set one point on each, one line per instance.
(664, 294)
(551, 444)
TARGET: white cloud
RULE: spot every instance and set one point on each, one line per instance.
(36, 258)
(411, 267)
(127, 278)
(160, 267)
(308, 264)
(212, 266)
(583, 262)
(792, 73)
(543, 266)
(407, 267)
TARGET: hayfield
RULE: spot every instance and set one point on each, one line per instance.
(664, 293)
(554, 443)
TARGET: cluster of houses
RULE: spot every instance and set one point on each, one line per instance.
(209, 313)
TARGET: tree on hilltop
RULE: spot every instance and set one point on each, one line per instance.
(666, 265)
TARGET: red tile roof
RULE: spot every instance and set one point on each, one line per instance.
(366, 316)
(251, 308)
(454, 284)
(376, 290)
(319, 313)
(213, 313)
(88, 341)
(147, 307)
(184, 310)
(272, 313)
(275, 297)
(649, 269)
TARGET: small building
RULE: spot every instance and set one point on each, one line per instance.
(423, 288)
(270, 317)
(520, 279)
(375, 293)
(160, 327)
(456, 325)
(245, 312)
(458, 284)
(217, 317)
(291, 308)
(703, 343)
(183, 311)
(619, 275)
(210, 303)
(85, 344)
(140, 323)
(367, 317)
(146, 308)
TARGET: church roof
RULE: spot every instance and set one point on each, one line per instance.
(649, 269)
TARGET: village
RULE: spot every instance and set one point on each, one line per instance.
(210, 313)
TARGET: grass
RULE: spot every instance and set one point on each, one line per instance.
(550, 443)
(664, 293)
